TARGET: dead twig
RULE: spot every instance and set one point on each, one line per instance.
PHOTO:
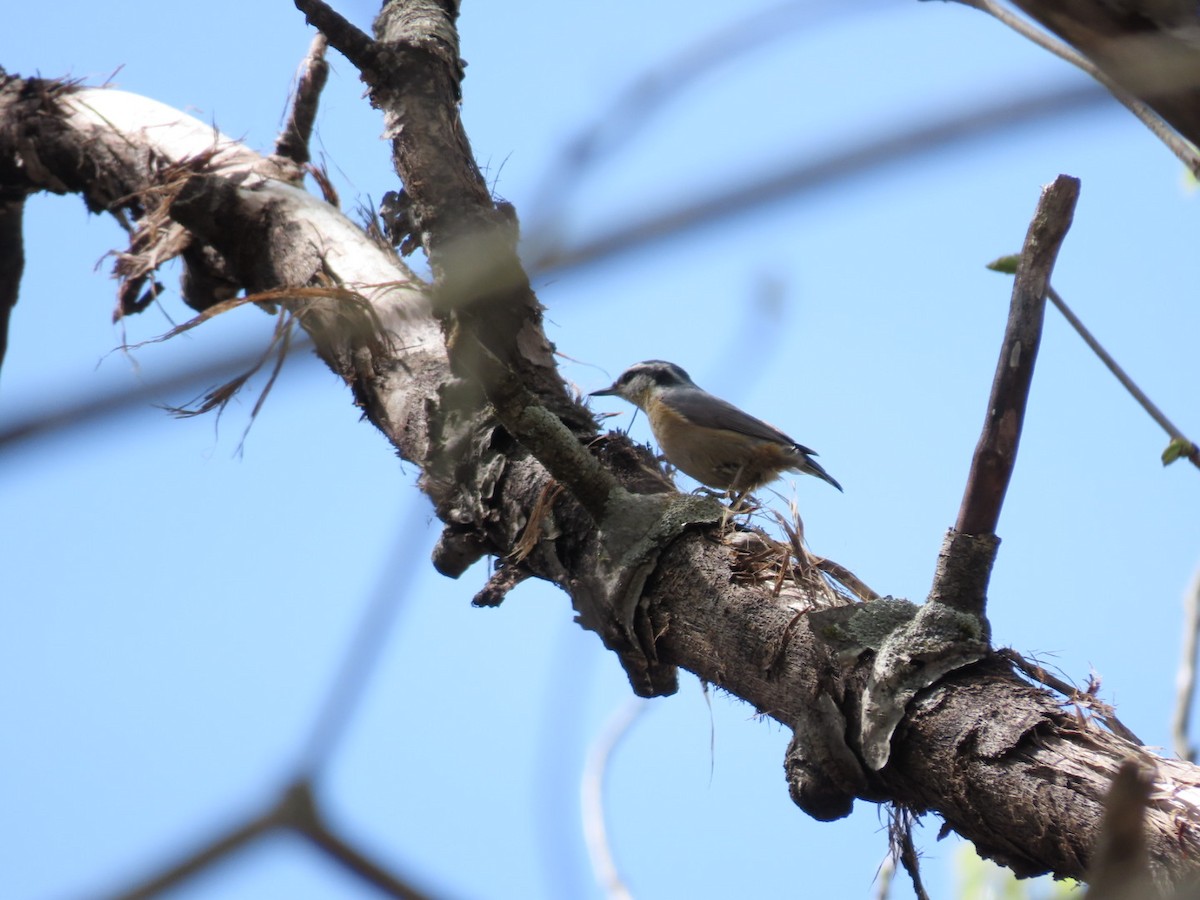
(903, 848)
(292, 143)
(996, 453)
(296, 809)
(1186, 447)
(1086, 699)
(845, 578)
(839, 165)
(965, 562)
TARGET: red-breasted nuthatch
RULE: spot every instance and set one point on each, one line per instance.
(708, 438)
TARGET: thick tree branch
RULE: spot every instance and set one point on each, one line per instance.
(985, 750)
(481, 293)
(491, 319)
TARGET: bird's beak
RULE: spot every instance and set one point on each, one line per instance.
(606, 392)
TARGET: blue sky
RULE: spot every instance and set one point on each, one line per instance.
(173, 612)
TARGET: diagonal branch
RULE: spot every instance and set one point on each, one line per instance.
(996, 452)
(1149, 49)
(295, 809)
(314, 71)
(1184, 151)
(726, 201)
(705, 610)
(819, 175)
(969, 550)
(1187, 448)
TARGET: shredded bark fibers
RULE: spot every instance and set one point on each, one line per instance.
(761, 559)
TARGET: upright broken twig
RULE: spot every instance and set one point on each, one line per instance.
(292, 142)
(969, 550)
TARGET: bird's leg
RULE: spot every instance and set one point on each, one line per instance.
(736, 498)
(738, 494)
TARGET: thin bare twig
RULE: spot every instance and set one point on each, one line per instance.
(647, 95)
(903, 850)
(348, 686)
(299, 811)
(1185, 677)
(884, 877)
(595, 832)
(221, 847)
(840, 164)
(1154, 412)
(1181, 445)
(295, 809)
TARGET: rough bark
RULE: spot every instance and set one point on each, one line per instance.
(999, 759)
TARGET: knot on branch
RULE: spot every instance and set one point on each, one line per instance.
(964, 567)
(823, 773)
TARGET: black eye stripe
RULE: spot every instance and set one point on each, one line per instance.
(657, 372)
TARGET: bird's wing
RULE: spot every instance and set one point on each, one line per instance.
(708, 411)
